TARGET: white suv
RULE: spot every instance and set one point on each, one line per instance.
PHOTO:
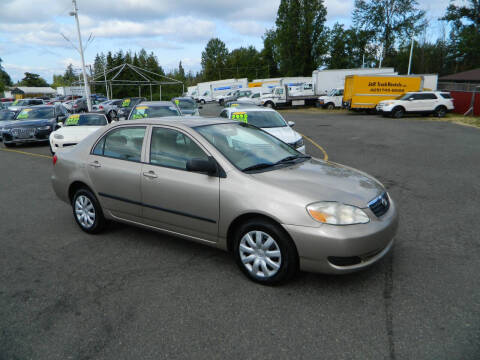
(425, 102)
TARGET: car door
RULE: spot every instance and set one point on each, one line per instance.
(114, 167)
(429, 102)
(414, 103)
(174, 198)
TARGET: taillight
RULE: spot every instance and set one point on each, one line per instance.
(55, 158)
(100, 107)
(75, 105)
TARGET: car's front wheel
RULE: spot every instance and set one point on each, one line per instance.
(398, 112)
(264, 252)
(87, 211)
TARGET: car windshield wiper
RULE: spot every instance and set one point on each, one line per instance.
(291, 158)
(259, 166)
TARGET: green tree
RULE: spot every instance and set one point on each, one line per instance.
(31, 79)
(69, 76)
(214, 59)
(5, 79)
(269, 54)
(391, 22)
(464, 47)
(299, 35)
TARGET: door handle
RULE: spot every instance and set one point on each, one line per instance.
(95, 164)
(150, 174)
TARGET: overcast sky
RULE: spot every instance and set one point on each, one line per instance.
(31, 40)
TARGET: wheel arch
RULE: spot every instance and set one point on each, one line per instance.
(76, 185)
(239, 220)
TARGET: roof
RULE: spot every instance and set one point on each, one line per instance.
(187, 121)
(470, 75)
(34, 90)
(158, 103)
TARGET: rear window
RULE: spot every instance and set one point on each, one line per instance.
(446, 95)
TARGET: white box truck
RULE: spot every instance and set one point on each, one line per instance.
(211, 90)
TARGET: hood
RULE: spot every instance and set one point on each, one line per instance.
(76, 133)
(189, 112)
(284, 133)
(32, 122)
(317, 180)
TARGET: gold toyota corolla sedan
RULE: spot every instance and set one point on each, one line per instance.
(233, 186)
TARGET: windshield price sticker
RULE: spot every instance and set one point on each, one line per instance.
(177, 102)
(140, 112)
(126, 102)
(234, 105)
(240, 116)
(73, 119)
(15, 102)
(24, 114)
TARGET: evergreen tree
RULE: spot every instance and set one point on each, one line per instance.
(34, 80)
(214, 59)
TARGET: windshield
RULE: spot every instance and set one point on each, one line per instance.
(185, 104)
(403, 97)
(261, 119)
(40, 113)
(7, 115)
(20, 103)
(246, 146)
(144, 111)
(85, 120)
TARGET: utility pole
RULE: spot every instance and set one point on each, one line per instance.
(410, 59)
(106, 85)
(85, 79)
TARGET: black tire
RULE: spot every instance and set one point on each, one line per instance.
(99, 222)
(330, 106)
(9, 145)
(440, 111)
(221, 102)
(112, 115)
(270, 105)
(289, 257)
(398, 112)
(202, 102)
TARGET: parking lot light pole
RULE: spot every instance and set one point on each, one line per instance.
(410, 59)
(85, 80)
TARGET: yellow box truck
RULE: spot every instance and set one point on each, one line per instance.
(365, 92)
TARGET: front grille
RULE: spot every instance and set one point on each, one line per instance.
(23, 133)
(380, 204)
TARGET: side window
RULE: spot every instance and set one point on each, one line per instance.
(223, 114)
(257, 95)
(429, 96)
(171, 148)
(446, 95)
(122, 143)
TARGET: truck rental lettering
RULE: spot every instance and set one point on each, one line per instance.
(386, 87)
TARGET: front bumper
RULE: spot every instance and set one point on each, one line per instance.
(334, 249)
(39, 136)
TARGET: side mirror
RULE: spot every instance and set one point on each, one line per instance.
(410, 99)
(291, 123)
(201, 165)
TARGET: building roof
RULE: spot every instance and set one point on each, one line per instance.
(471, 76)
(33, 90)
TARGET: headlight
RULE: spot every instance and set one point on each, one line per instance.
(44, 127)
(58, 136)
(298, 143)
(335, 213)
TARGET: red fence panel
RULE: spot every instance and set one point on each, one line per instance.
(463, 100)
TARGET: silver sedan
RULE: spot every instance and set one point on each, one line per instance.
(232, 186)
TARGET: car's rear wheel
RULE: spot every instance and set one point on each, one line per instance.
(264, 252)
(87, 211)
(398, 112)
(440, 111)
(269, 105)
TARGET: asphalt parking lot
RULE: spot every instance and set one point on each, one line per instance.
(134, 294)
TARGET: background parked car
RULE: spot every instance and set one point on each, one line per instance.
(268, 120)
(127, 105)
(187, 105)
(21, 103)
(76, 128)
(6, 115)
(79, 105)
(33, 124)
(108, 107)
(152, 109)
(426, 102)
